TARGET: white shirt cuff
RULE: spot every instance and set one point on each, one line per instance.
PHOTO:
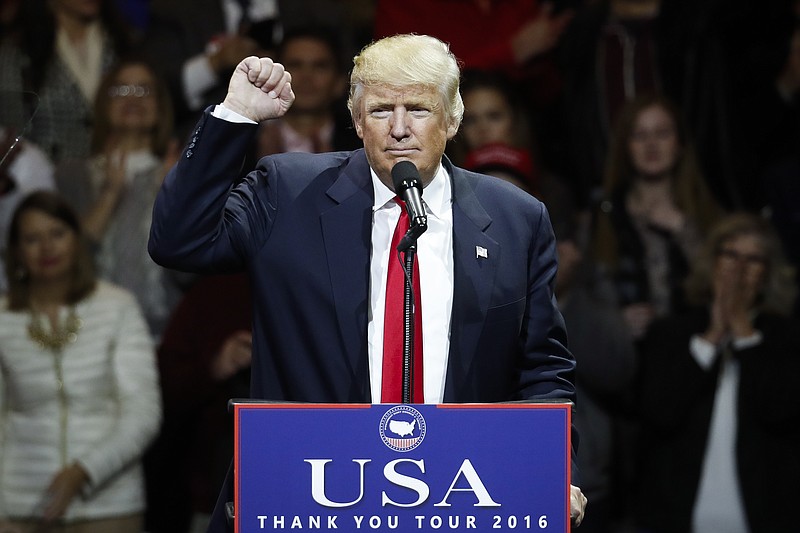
(743, 343)
(702, 351)
(222, 112)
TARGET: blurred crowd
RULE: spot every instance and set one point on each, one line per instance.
(663, 137)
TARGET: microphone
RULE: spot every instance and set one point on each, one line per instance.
(408, 186)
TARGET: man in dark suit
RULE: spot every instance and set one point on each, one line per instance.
(314, 232)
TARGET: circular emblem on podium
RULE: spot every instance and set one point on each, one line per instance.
(402, 428)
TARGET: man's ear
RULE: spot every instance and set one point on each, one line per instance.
(452, 129)
(359, 129)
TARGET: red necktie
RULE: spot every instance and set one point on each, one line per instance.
(392, 387)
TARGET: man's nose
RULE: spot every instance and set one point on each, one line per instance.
(399, 124)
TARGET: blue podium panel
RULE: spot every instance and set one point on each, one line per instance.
(418, 468)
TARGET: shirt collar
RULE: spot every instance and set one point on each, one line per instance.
(437, 196)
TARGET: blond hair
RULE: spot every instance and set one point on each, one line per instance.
(403, 60)
(779, 291)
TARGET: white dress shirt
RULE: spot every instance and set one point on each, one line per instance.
(719, 505)
(435, 257)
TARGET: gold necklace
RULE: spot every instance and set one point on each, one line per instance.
(60, 336)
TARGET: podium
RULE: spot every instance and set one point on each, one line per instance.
(402, 467)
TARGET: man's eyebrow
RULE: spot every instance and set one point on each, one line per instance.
(379, 104)
(411, 102)
(421, 102)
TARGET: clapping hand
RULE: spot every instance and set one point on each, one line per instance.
(735, 291)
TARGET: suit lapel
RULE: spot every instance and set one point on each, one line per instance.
(346, 230)
(474, 268)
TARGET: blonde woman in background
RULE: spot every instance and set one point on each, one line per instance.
(719, 409)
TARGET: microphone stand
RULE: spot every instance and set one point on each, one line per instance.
(409, 245)
(408, 325)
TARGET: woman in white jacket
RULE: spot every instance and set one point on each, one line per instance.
(79, 393)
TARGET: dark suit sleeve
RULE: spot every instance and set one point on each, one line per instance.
(508, 339)
(203, 220)
(672, 384)
(547, 366)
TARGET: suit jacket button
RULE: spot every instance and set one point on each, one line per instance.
(189, 154)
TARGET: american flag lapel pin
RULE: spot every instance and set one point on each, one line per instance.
(480, 251)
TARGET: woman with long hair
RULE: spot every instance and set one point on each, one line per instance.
(655, 212)
(113, 190)
(79, 400)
